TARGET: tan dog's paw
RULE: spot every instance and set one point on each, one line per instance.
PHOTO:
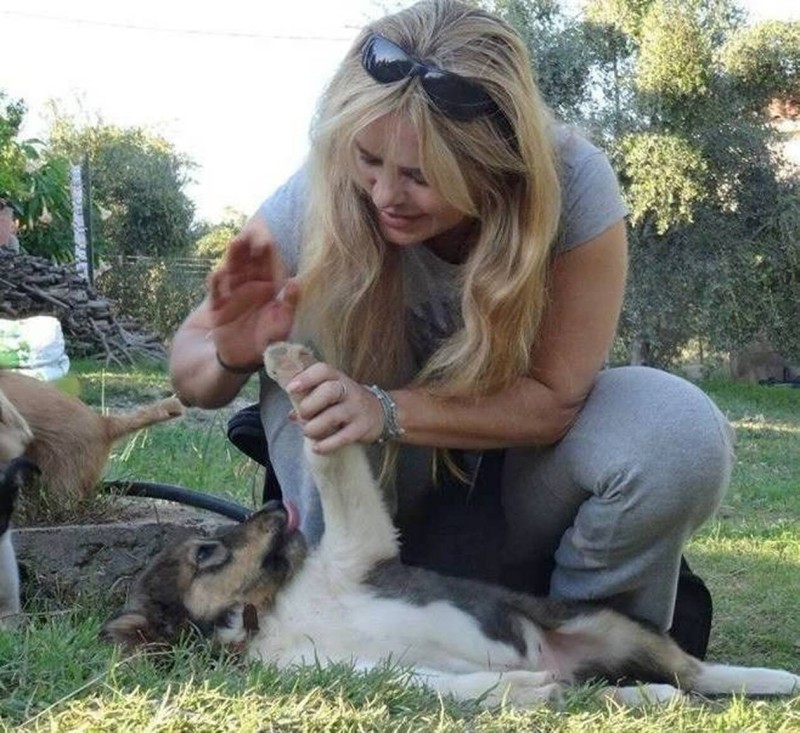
(173, 407)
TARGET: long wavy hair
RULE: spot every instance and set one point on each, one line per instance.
(353, 299)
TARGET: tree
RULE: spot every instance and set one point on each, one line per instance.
(764, 61)
(37, 182)
(676, 92)
(137, 182)
(214, 238)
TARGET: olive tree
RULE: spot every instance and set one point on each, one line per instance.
(677, 91)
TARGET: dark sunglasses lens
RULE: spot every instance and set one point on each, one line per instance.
(458, 98)
(384, 61)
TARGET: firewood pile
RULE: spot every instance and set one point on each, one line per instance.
(32, 286)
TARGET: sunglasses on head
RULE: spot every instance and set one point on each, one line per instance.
(453, 95)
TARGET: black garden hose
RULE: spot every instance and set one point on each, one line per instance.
(180, 495)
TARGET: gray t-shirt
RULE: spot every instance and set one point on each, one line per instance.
(591, 203)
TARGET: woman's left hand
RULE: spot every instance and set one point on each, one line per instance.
(333, 409)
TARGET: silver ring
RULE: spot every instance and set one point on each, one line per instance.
(343, 385)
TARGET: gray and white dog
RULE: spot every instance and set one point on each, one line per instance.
(255, 586)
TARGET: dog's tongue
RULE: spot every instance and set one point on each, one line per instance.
(292, 516)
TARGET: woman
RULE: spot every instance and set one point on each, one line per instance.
(461, 263)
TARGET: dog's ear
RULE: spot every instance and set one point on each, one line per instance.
(150, 624)
(130, 629)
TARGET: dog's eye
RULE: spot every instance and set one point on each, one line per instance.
(205, 552)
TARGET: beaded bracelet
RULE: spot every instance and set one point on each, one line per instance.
(236, 369)
(391, 427)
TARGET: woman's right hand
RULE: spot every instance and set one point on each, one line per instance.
(251, 301)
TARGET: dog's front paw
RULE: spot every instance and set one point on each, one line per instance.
(284, 360)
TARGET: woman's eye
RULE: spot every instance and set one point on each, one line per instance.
(369, 160)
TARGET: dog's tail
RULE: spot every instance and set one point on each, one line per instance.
(118, 426)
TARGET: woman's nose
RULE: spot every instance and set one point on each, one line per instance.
(387, 190)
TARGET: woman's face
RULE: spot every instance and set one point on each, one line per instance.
(408, 210)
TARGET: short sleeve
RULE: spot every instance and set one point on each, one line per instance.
(591, 198)
(284, 212)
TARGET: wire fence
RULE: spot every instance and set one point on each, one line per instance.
(157, 291)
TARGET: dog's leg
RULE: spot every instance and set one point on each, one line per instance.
(712, 679)
(358, 528)
(604, 644)
(118, 426)
(9, 583)
(516, 688)
(724, 679)
(357, 523)
(644, 694)
(13, 477)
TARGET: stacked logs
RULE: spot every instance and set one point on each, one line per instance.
(32, 286)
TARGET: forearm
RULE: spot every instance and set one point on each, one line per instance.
(527, 413)
(197, 376)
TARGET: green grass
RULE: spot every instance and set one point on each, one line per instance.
(56, 676)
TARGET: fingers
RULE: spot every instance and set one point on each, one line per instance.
(319, 387)
(233, 290)
(247, 252)
(290, 293)
(333, 409)
(246, 261)
(348, 434)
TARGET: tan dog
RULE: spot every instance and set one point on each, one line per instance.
(69, 442)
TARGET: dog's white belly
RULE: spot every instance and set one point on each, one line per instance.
(358, 628)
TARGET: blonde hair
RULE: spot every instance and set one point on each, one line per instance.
(353, 299)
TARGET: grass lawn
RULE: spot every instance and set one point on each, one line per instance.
(56, 676)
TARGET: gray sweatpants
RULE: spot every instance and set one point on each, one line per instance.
(612, 504)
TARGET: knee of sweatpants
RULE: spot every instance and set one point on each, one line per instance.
(660, 439)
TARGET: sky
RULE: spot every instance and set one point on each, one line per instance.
(232, 84)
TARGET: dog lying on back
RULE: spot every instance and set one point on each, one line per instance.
(351, 600)
(70, 443)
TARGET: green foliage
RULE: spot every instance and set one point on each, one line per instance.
(625, 16)
(213, 241)
(46, 228)
(38, 183)
(674, 52)
(157, 291)
(558, 50)
(12, 157)
(666, 179)
(764, 60)
(137, 181)
(676, 91)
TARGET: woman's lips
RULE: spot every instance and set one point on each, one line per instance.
(398, 221)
